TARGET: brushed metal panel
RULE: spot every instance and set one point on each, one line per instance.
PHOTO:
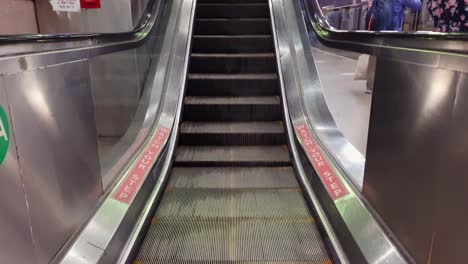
(116, 88)
(450, 235)
(113, 222)
(410, 119)
(16, 245)
(299, 77)
(53, 117)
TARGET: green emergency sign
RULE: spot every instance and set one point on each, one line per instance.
(4, 134)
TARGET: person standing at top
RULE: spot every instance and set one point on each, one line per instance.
(398, 11)
(389, 14)
(449, 15)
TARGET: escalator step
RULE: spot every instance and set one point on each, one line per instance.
(233, 178)
(232, 203)
(232, 63)
(232, 84)
(232, 10)
(232, 44)
(240, 26)
(232, 156)
(248, 108)
(233, 240)
(232, 133)
(232, 195)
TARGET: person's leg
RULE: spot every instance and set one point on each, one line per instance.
(370, 74)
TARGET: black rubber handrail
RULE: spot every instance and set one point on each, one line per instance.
(371, 41)
(143, 24)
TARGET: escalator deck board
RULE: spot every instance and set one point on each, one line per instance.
(232, 195)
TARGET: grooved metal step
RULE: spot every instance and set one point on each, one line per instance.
(232, 63)
(232, 84)
(232, 156)
(248, 108)
(232, 133)
(232, 10)
(232, 44)
(240, 26)
(233, 240)
(233, 203)
(232, 195)
(233, 178)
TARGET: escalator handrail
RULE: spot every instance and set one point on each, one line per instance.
(144, 22)
(371, 41)
(77, 45)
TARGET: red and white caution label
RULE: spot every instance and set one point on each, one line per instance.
(134, 179)
(333, 184)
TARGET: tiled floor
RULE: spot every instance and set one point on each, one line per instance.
(347, 101)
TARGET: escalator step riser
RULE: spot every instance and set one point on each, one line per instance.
(232, 163)
(232, 139)
(233, 178)
(238, 10)
(205, 112)
(224, 64)
(232, 44)
(232, 195)
(205, 204)
(226, 87)
(232, 27)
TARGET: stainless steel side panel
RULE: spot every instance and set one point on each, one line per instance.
(116, 86)
(301, 84)
(101, 240)
(417, 162)
(16, 244)
(53, 118)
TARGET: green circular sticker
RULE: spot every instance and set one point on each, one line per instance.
(4, 134)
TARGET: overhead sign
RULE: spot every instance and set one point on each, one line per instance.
(66, 5)
(327, 175)
(4, 135)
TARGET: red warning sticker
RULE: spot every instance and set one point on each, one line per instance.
(333, 184)
(134, 179)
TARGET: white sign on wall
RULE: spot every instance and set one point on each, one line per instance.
(66, 5)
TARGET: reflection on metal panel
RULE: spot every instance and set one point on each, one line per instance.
(114, 222)
(307, 106)
(116, 88)
(61, 171)
(450, 237)
(407, 161)
(16, 244)
(138, 8)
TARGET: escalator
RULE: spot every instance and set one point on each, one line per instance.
(232, 195)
